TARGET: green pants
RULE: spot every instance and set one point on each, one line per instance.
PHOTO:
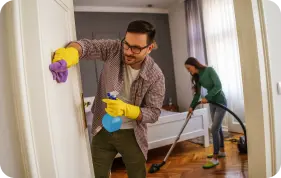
(105, 147)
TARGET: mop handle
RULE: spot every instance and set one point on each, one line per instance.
(178, 137)
(156, 167)
(189, 116)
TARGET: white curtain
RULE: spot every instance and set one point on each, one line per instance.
(222, 50)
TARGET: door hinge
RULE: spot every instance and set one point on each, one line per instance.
(83, 108)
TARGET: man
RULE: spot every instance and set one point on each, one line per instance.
(130, 70)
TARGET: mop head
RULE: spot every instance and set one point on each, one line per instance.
(155, 167)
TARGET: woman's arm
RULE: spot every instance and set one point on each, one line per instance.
(196, 96)
(217, 84)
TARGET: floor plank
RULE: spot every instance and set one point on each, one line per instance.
(187, 159)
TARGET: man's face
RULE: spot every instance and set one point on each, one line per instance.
(135, 48)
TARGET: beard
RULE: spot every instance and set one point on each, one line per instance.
(129, 59)
(132, 60)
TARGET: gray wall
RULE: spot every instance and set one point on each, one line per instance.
(113, 25)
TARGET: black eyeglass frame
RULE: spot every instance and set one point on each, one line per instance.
(136, 47)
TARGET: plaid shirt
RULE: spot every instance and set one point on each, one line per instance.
(147, 91)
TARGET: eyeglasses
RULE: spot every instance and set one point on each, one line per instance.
(134, 49)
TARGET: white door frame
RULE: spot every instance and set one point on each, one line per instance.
(21, 101)
(255, 74)
(256, 81)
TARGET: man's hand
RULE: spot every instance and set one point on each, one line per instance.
(119, 108)
(204, 101)
(69, 54)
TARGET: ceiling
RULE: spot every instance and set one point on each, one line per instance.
(126, 3)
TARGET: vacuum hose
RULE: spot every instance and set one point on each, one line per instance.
(242, 144)
(234, 115)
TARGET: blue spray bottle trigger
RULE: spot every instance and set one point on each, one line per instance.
(111, 124)
(111, 96)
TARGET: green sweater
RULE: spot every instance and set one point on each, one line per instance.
(209, 79)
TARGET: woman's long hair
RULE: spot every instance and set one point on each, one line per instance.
(195, 77)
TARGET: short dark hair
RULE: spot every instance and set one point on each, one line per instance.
(141, 26)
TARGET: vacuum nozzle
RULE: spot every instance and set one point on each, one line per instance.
(156, 167)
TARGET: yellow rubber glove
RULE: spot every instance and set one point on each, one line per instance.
(119, 108)
(70, 55)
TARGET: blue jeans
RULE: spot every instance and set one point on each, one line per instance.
(217, 115)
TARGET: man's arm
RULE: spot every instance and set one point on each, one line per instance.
(96, 49)
(149, 113)
(153, 102)
(77, 46)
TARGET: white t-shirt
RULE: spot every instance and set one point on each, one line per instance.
(130, 76)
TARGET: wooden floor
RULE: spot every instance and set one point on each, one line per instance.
(186, 161)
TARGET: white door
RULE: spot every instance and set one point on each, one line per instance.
(65, 100)
(58, 124)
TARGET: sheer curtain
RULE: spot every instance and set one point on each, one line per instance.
(222, 50)
(195, 33)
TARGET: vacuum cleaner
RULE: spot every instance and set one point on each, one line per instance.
(242, 142)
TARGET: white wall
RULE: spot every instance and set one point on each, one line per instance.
(179, 46)
(273, 28)
(10, 153)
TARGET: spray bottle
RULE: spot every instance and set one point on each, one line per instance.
(110, 123)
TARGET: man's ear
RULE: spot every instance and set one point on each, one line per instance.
(155, 46)
(151, 47)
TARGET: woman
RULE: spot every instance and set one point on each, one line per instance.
(207, 77)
